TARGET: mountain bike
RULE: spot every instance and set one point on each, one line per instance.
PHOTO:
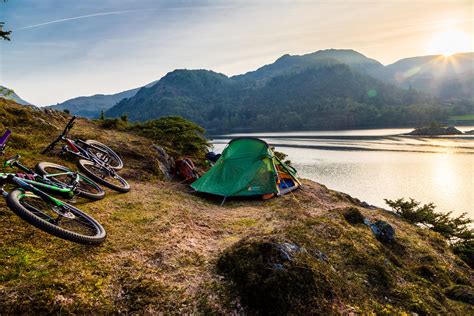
(96, 160)
(24, 196)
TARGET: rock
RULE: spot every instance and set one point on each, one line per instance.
(353, 216)
(383, 231)
(166, 163)
(435, 130)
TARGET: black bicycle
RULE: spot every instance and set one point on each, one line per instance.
(96, 160)
(25, 197)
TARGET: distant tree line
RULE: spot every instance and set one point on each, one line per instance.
(327, 97)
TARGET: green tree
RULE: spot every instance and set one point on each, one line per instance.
(457, 230)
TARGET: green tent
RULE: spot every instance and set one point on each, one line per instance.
(248, 167)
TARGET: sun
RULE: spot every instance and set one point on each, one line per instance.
(449, 42)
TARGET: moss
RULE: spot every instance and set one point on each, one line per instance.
(270, 281)
(461, 293)
(353, 216)
(433, 273)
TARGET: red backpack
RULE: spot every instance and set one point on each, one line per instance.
(186, 171)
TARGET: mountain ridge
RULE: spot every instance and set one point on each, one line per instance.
(91, 106)
(414, 73)
(9, 94)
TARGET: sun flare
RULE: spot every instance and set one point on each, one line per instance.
(449, 42)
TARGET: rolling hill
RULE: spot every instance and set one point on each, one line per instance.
(326, 94)
(446, 77)
(325, 89)
(9, 94)
(91, 106)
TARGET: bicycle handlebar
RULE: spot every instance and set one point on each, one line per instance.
(68, 127)
(66, 130)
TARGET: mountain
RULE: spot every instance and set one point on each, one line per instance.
(188, 93)
(11, 95)
(91, 106)
(449, 77)
(325, 89)
(288, 63)
(325, 95)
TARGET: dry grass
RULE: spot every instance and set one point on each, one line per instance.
(163, 243)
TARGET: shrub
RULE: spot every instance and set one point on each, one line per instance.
(178, 136)
(461, 293)
(456, 230)
(353, 216)
(114, 123)
(282, 156)
(465, 251)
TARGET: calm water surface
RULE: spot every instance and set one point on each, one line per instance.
(379, 163)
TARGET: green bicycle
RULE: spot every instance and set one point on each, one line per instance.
(25, 197)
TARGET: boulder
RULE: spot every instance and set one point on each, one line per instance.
(383, 231)
(166, 163)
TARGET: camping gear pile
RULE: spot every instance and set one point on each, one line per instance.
(248, 167)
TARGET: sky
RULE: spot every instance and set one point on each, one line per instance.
(62, 49)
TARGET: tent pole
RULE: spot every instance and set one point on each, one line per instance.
(223, 201)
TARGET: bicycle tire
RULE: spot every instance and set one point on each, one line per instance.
(119, 163)
(31, 215)
(86, 182)
(88, 167)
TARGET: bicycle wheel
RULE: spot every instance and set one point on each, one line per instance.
(106, 154)
(102, 176)
(66, 222)
(86, 187)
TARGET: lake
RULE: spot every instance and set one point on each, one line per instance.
(376, 164)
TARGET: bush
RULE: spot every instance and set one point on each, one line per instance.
(465, 251)
(456, 230)
(282, 156)
(410, 211)
(461, 293)
(115, 123)
(178, 136)
(353, 216)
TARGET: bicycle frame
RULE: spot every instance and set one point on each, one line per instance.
(26, 186)
(81, 151)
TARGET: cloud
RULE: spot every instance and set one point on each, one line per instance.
(77, 18)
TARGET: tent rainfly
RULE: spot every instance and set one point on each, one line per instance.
(248, 167)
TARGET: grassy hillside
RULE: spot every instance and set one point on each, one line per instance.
(164, 243)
